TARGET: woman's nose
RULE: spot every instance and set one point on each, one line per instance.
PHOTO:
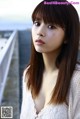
(41, 30)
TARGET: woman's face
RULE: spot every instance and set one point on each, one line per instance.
(46, 37)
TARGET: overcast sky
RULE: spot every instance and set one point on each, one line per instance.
(21, 9)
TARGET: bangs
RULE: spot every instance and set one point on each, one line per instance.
(49, 14)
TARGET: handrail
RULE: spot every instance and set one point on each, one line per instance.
(5, 60)
(5, 49)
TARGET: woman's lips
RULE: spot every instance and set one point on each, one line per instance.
(40, 42)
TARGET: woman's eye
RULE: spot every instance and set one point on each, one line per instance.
(51, 27)
(36, 23)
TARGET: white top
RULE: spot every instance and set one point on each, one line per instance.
(62, 111)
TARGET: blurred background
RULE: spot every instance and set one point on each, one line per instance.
(15, 48)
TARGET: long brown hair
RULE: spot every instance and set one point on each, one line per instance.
(66, 17)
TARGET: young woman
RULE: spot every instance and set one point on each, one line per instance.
(51, 82)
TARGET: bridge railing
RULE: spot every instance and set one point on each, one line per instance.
(5, 60)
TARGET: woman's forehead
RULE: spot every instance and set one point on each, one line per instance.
(40, 17)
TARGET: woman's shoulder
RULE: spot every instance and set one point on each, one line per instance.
(25, 74)
(76, 73)
(77, 66)
(74, 94)
(25, 79)
(75, 81)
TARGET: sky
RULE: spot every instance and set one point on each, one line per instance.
(20, 10)
(17, 9)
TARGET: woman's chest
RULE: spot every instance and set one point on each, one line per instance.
(47, 112)
(45, 94)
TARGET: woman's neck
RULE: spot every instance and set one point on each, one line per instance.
(49, 61)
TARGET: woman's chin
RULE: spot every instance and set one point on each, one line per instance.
(39, 50)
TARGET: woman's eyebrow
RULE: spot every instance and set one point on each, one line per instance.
(38, 18)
